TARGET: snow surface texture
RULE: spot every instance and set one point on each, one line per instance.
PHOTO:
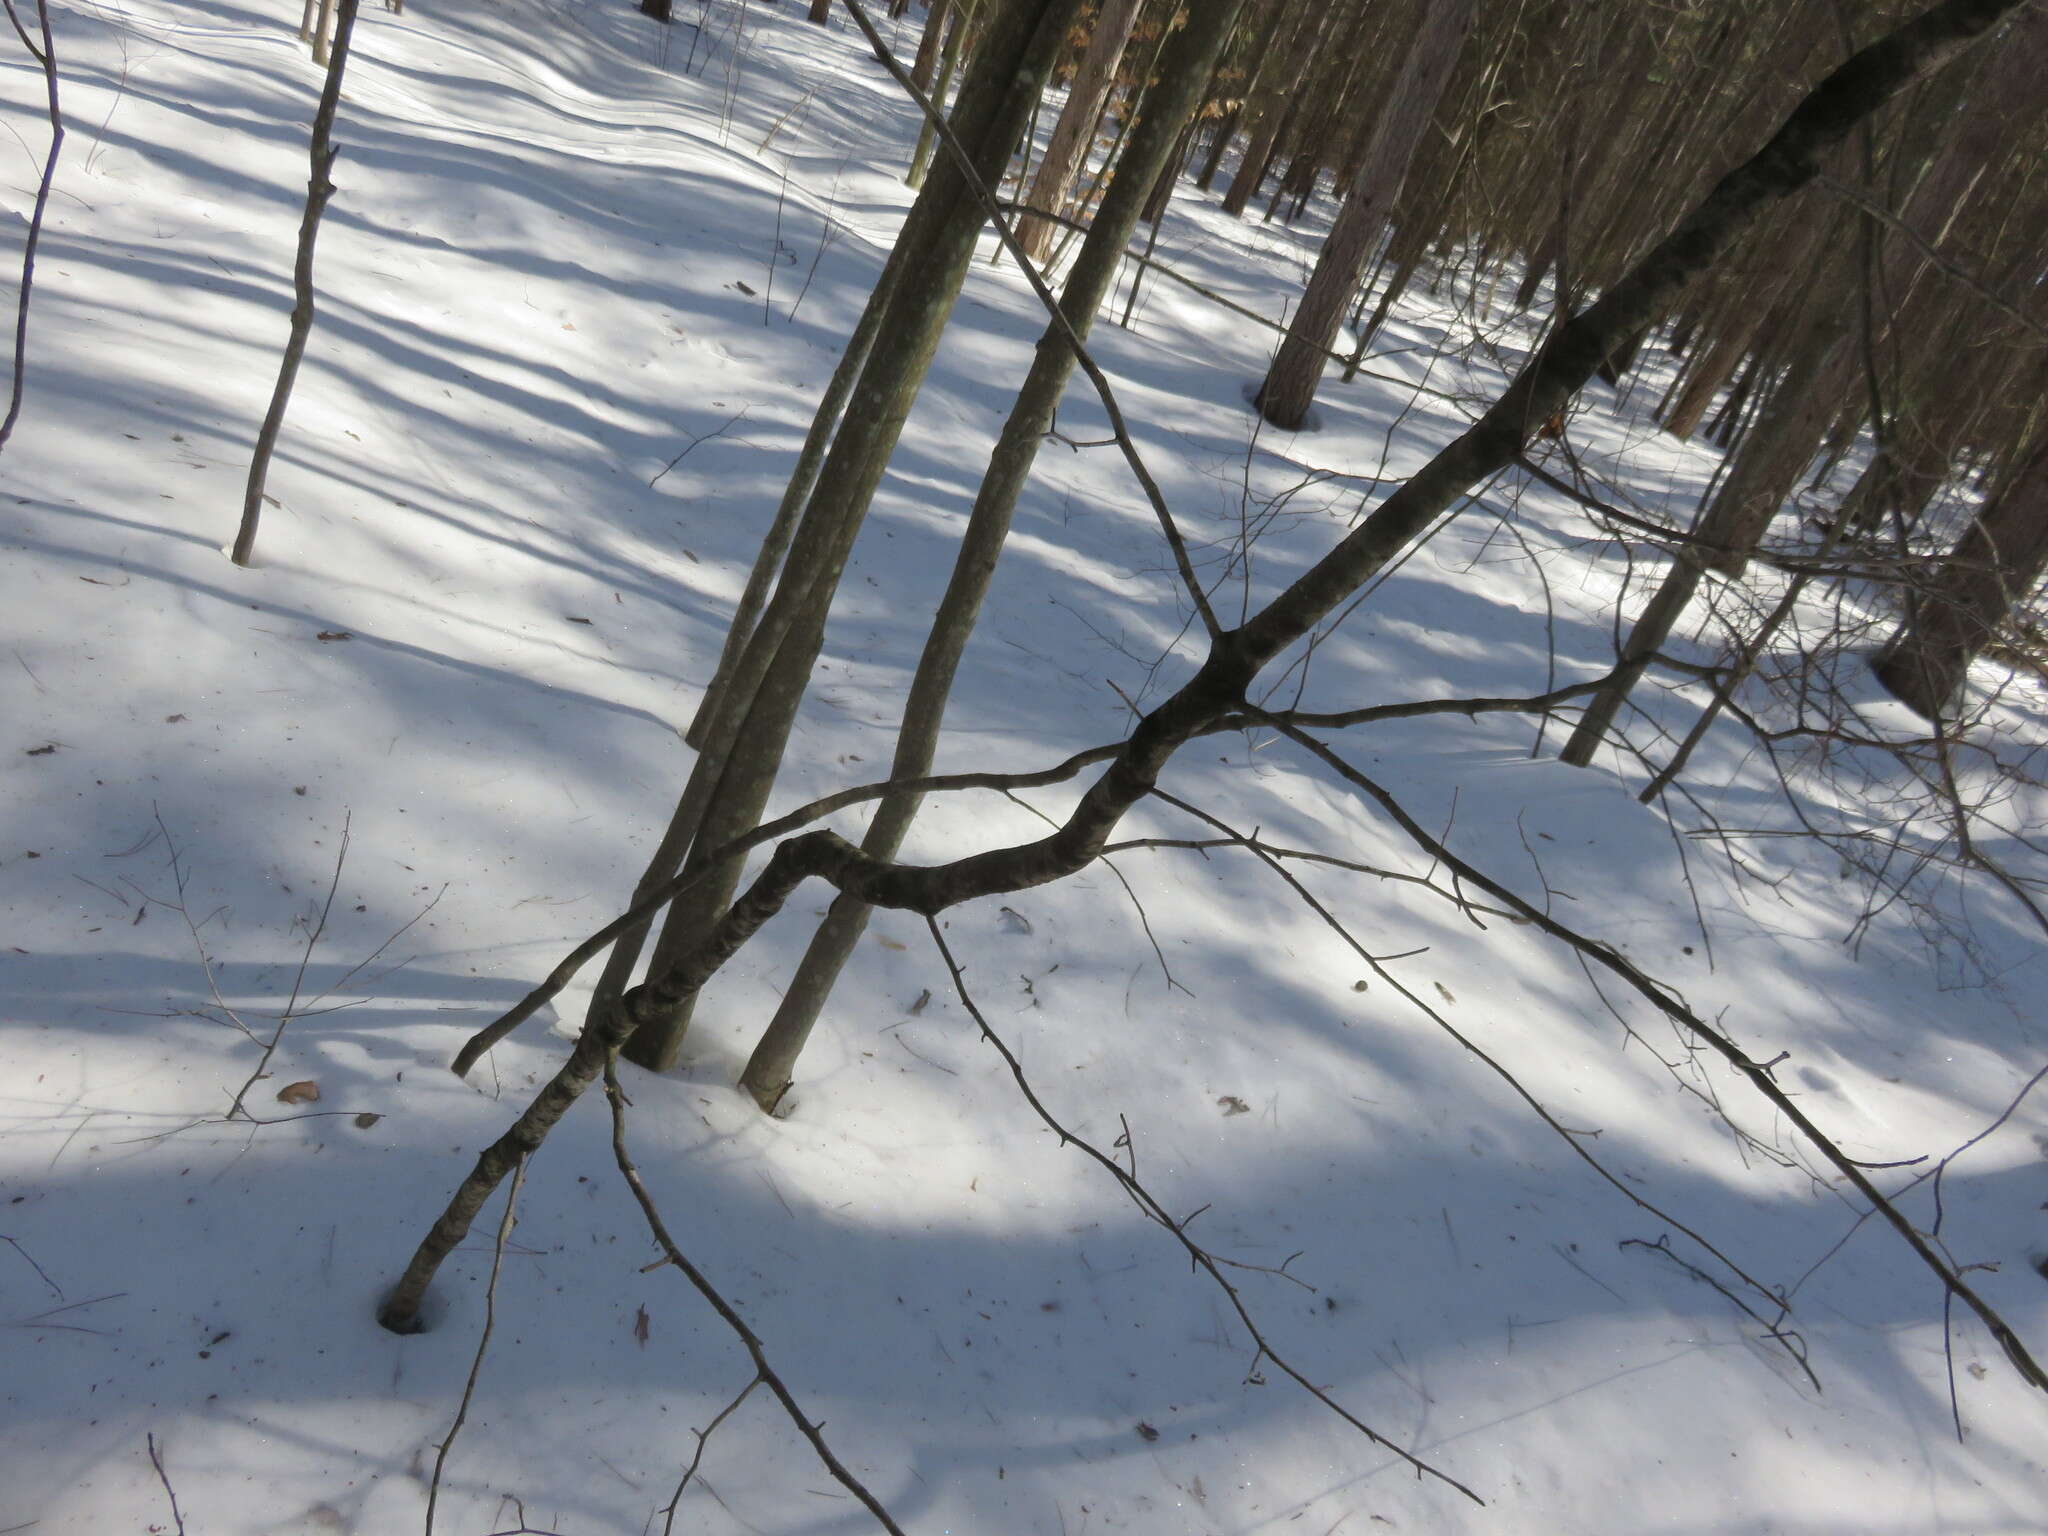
(559, 258)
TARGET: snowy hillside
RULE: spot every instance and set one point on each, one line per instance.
(581, 284)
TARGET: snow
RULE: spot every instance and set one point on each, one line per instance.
(559, 258)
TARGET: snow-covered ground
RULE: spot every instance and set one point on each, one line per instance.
(561, 262)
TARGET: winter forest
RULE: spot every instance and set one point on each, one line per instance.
(1033, 767)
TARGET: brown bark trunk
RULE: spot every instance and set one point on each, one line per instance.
(1290, 386)
(1074, 133)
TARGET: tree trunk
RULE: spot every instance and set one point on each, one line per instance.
(318, 190)
(743, 748)
(928, 43)
(927, 135)
(1996, 566)
(1290, 385)
(1074, 133)
(1219, 145)
(1183, 72)
(1265, 108)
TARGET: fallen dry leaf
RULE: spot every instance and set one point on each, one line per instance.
(334, 634)
(366, 1119)
(640, 1327)
(1231, 1104)
(304, 1092)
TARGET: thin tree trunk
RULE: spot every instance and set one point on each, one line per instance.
(1290, 385)
(46, 56)
(736, 770)
(1183, 73)
(1267, 104)
(318, 190)
(927, 137)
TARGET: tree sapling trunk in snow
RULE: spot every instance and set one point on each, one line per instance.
(1184, 69)
(318, 190)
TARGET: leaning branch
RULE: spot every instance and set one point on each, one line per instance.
(1147, 1202)
(764, 1372)
(1675, 1009)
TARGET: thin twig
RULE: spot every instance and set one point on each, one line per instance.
(1571, 1138)
(284, 1019)
(1087, 364)
(483, 1343)
(1177, 1227)
(703, 1438)
(1673, 1008)
(156, 1460)
(762, 1369)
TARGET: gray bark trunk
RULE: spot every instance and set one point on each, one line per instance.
(1184, 68)
(1996, 566)
(736, 770)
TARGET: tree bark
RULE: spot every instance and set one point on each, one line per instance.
(1183, 72)
(318, 190)
(737, 767)
(1073, 134)
(1995, 567)
(1290, 385)
(928, 43)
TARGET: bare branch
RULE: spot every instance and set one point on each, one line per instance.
(763, 1371)
(1675, 1009)
(1154, 1211)
(483, 1343)
(1571, 1138)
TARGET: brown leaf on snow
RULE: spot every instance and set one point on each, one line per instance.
(334, 634)
(305, 1091)
(366, 1119)
(1231, 1104)
(640, 1327)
